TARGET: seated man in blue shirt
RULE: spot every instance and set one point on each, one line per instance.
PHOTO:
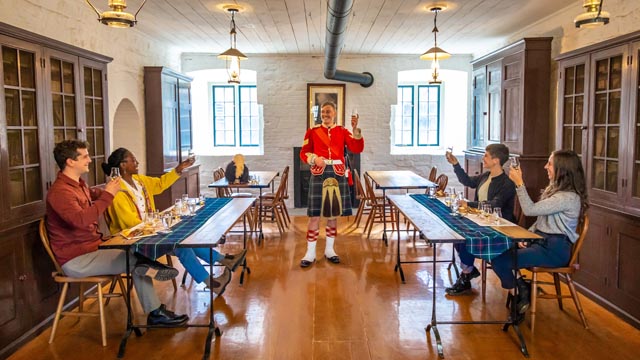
(493, 186)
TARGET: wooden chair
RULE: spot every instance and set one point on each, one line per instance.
(433, 173)
(379, 209)
(275, 206)
(97, 281)
(442, 182)
(285, 194)
(364, 206)
(568, 270)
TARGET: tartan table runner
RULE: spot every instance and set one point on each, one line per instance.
(155, 246)
(481, 241)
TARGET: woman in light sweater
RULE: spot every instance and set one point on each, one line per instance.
(561, 209)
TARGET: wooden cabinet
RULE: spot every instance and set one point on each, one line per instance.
(511, 106)
(598, 117)
(169, 131)
(49, 91)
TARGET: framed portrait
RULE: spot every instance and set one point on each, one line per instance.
(317, 94)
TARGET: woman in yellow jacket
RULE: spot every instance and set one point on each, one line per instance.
(136, 198)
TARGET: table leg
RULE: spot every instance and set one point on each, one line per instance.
(244, 262)
(213, 328)
(398, 263)
(384, 217)
(130, 327)
(434, 322)
(261, 236)
(514, 305)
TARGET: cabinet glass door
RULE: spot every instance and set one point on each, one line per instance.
(95, 115)
(634, 181)
(572, 109)
(494, 76)
(23, 142)
(479, 108)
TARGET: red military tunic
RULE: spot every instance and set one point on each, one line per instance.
(329, 143)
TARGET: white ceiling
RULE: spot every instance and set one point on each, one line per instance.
(375, 26)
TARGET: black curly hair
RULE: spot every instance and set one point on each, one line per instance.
(115, 159)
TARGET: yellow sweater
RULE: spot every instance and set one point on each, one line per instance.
(123, 212)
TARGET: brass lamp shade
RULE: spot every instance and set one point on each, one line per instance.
(231, 53)
(435, 53)
(593, 15)
(117, 17)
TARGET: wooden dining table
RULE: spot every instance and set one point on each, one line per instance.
(207, 234)
(395, 180)
(262, 180)
(436, 231)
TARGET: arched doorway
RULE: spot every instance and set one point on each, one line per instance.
(127, 130)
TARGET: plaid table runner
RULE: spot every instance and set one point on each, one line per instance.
(155, 246)
(482, 241)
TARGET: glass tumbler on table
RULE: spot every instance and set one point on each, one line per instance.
(497, 214)
(192, 204)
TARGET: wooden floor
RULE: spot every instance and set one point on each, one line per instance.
(355, 310)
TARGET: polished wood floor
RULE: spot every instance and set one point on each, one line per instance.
(355, 310)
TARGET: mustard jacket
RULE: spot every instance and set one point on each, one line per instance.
(123, 212)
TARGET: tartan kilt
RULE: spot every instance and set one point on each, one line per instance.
(315, 192)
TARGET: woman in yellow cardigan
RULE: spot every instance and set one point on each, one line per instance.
(136, 198)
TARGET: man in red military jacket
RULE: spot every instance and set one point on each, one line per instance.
(323, 149)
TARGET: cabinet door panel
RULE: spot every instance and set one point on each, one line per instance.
(494, 89)
(14, 319)
(479, 107)
(94, 94)
(593, 258)
(625, 285)
(512, 100)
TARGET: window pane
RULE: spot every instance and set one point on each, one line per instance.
(598, 174)
(598, 144)
(579, 79)
(31, 147)
(88, 88)
(12, 110)
(577, 141)
(579, 108)
(99, 148)
(16, 179)
(10, 66)
(601, 109)
(615, 77)
(98, 113)
(602, 72)
(568, 80)
(58, 135)
(568, 111)
(97, 83)
(68, 77)
(27, 70)
(566, 137)
(70, 111)
(29, 116)
(14, 137)
(56, 75)
(614, 107)
(88, 108)
(34, 185)
(612, 142)
(612, 176)
(56, 104)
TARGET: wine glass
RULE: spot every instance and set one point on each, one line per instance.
(515, 162)
(497, 214)
(115, 173)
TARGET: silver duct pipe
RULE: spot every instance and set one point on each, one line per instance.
(337, 15)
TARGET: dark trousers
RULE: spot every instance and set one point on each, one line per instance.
(465, 256)
(553, 250)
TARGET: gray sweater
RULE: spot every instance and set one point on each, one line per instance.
(557, 214)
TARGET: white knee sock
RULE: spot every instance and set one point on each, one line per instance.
(312, 236)
(331, 237)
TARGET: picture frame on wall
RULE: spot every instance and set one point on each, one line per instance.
(318, 94)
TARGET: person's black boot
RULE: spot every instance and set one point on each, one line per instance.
(524, 295)
(461, 287)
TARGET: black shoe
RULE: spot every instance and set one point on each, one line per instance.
(157, 271)
(306, 263)
(166, 318)
(232, 261)
(461, 287)
(524, 294)
(219, 284)
(473, 274)
(334, 259)
(519, 319)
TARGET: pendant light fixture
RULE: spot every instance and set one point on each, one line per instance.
(593, 17)
(233, 56)
(435, 53)
(117, 17)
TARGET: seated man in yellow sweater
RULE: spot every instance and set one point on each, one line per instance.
(136, 197)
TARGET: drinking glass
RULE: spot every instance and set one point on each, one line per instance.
(354, 112)
(185, 198)
(486, 210)
(449, 149)
(454, 205)
(432, 192)
(192, 155)
(167, 221)
(201, 197)
(515, 163)
(149, 219)
(192, 206)
(115, 173)
(497, 214)
(177, 207)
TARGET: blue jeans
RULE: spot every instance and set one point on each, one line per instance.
(189, 259)
(553, 250)
(465, 256)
